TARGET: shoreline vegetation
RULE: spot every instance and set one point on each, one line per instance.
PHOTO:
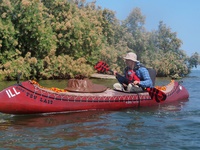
(102, 76)
(59, 39)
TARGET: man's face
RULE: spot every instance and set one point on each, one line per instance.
(129, 63)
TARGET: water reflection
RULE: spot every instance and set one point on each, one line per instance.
(69, 130)
(49, 120)
(175, 106)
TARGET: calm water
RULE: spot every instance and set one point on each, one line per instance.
(173, 126)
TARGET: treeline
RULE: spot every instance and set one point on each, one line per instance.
(51, 39)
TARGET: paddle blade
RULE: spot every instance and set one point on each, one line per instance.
(156, 94)
(101, 67)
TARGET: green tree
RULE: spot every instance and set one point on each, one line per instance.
(116, 36)
(194, 60)
(164, 54)
(35, 34)
(166, 39)
(77, 27)
(135, 25)
(8, 40)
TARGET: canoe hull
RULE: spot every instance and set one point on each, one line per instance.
(27, 98)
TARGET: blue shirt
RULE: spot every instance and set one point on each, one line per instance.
(145, 79)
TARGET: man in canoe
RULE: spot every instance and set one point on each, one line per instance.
(136, 77)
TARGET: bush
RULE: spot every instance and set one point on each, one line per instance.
(62, 67)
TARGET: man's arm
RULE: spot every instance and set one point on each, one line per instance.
(145, 79)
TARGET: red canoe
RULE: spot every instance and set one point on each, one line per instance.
(31, 98)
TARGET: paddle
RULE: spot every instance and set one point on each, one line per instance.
(154, 93)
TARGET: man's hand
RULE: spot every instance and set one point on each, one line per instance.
(115, 72)
(136, 82)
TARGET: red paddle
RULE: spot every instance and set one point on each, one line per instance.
(154, 93)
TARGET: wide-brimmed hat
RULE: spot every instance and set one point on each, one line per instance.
(131, 56)
(84, 86)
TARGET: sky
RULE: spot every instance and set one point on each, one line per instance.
(182, 16)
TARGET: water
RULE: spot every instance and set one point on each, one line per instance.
(174, 126)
